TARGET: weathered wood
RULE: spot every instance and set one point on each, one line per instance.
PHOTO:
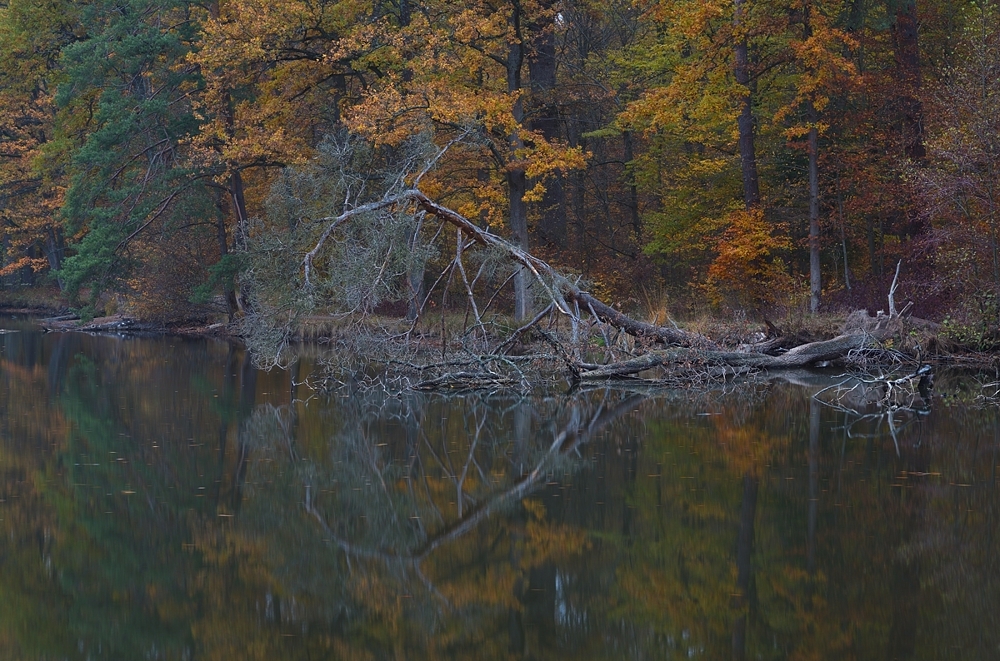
(633, 327)
(566, 289)
(801, 356)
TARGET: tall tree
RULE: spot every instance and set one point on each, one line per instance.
(126, 103)
(270, 92)
(905, 41)
(824, 72)
(32, 34)
(745, 122)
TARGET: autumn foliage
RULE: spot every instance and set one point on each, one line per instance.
(749, 149)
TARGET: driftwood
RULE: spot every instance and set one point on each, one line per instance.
(861, 331)
(801, 356)
(113, 324)
(906, 395)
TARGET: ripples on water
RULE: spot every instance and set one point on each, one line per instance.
(161, 499)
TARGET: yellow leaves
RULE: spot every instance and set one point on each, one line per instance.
(691, 19)
(266, 84)
(548, 542)
(545, 157)
(699, 103)
(492, 588)
(536, 193)
(825, 71)
(471, 25)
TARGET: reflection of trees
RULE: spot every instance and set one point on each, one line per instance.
(112, 449)
(152, 504)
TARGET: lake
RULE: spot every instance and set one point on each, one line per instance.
(162, 499)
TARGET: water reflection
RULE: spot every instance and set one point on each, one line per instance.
(162, 499)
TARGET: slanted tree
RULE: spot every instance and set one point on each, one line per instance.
(460, 67)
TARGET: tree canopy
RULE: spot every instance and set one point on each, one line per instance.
(748, 153)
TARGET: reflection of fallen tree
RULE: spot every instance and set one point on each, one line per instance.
(880, 398)
(575, 433)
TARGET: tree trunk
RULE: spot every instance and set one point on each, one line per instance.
(517, 181)
(241, 234)
(814, 425)
(55, 247)
(232, 307)
(633, 190)
(745, 123)
(545, 119)
(815, 283)
(415, 279)
(517, 186)
(4, 253)
(907, 51)
(744, 554)
(236, 301)
(801, 356)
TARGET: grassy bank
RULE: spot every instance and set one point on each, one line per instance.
(36, 300)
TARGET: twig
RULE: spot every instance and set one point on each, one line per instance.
(516, 334)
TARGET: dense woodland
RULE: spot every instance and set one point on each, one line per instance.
(160, 156)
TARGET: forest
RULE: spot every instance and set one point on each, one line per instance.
(171, 159)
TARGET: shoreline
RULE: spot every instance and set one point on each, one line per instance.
(60, 320)
(316, 331)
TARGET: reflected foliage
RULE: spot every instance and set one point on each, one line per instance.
(162, 499)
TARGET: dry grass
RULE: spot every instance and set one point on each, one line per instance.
(41, 298)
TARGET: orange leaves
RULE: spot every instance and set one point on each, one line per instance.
(748, 267)
(35, 264)
(264, 94)
(825, 70)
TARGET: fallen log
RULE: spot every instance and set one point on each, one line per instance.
(112, 324)
(564, 288)
(804, 355)
(633, 327)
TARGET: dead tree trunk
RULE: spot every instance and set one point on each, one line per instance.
(561, 291)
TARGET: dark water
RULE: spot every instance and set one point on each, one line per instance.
(160, 499)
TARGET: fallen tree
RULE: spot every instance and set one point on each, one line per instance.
(594, 327)
(560, 289)
(685, 346)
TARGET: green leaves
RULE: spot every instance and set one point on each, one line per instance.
(127, 170)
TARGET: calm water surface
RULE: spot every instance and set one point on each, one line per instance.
(161, 499)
